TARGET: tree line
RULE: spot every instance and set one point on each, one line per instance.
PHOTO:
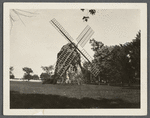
(117, 64)
(27, 75)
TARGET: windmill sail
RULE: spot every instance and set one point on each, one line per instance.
(60, 29)
(86, 54)
(85, 36)
(94, 70)
(66, 35)
(67, 57)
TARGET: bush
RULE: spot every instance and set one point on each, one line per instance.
(44, 76)
(35, 77)
(12, 76)
(27, 76)
(50, 80)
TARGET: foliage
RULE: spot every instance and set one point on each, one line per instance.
(48, 69)
(119, 63)
(96, 45)
(27, 70)
(90, 11)
(45, 76)
(27, 73)
(11, 73)
(11, 69)
(86, 65)
(27, 76)
(35, 77)
(85, 18)
(12, 77)
(49, 79)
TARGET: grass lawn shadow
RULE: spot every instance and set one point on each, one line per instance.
(38, 101)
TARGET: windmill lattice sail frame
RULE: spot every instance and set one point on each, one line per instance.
(82, 39)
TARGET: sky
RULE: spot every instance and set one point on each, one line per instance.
(34, 42)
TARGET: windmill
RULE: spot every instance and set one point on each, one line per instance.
(67, 57)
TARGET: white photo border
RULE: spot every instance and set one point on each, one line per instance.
(80, 112)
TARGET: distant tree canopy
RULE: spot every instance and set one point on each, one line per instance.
(45, 76)
(119, 63)
(27, 76)
(35, 77)
(27, 70)
(27, 73)
(48, 69)
(11, 73)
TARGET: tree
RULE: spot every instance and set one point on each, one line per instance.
(133, 51)
(45, 76)
(135, 54)
(48, 69)
(86, 72)
(86, 65)
(119, 63)
(101, 58)
(10, 72)
(27, 73)
(35, 77)
(12, 77)
(27, 70)
(11, 69)
(27, 76)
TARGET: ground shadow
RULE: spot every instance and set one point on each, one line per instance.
(38, 101)
(131, 87)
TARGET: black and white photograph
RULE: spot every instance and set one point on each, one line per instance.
(76, 57)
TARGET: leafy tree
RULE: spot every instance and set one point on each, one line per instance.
(12, 77)
(27, 76)
(45, 76)
(135, 54)
(11, 73)
(101, 58)
(35, 77)
(27, 70)
(48, 69)
(85, 18)
(92, 11)
(27, 73)
(96, 45)
(11, 69)
(86, 72)
(133, 51)
(119, 63)
(86, 65)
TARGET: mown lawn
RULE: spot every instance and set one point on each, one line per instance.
(36, 95)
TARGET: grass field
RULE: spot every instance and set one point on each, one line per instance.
(35, 95)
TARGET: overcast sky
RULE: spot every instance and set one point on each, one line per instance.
(37, 43)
